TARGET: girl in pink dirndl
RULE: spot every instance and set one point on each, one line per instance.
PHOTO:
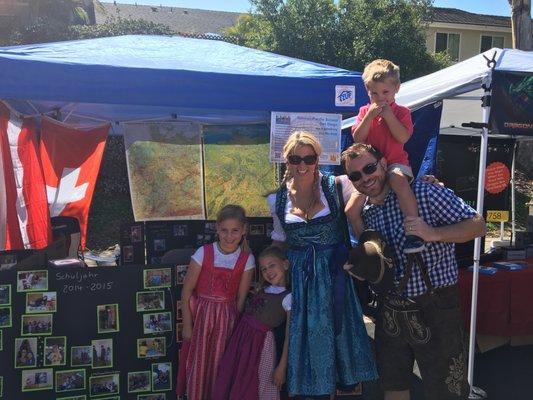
(215, 287)
(250, 369)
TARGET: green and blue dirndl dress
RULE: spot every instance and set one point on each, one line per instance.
(328, 344)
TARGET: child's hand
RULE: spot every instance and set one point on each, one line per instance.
(374, 110)
(354, 206)
(278, 377)
(386, 110)
(186, 333)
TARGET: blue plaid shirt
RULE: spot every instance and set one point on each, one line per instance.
(438, 206)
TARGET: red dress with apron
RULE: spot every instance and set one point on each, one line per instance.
(215, 315)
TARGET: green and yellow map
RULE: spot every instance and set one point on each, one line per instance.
(165, 170)
(237, 168)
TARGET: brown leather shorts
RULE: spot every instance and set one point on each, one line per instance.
(427, 328)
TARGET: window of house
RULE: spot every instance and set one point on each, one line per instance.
(449, 43)
(488, 42)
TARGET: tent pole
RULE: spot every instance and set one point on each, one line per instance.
(477, 242)
(513, 199)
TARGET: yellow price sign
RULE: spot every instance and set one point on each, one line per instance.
(497, 216)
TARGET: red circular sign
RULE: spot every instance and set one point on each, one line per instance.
(497, 177)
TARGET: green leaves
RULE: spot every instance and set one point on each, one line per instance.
(349, 34)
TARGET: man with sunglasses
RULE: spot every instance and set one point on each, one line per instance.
(421, 320)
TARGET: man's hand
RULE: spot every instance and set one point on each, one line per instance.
(418, 227)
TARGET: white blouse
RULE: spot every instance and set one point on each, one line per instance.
(224, 260)
(278, 233)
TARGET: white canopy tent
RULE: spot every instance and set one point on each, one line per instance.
(469, 75)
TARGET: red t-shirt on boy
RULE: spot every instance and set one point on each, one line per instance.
(381, 137)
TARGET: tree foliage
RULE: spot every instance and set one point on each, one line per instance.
(349, 34)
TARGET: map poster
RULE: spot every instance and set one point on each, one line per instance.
(164, 162)
(237, 169)
(326, 127)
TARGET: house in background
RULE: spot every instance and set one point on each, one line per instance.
(463, 35)
(460, 33)
(181, 20)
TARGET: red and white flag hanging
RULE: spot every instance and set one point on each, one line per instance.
(71, 160)
(24, 216)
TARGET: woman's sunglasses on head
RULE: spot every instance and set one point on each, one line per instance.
(368, 169)
(308, 160)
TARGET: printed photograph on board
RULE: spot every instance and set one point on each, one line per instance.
(157, 322)
(37, 379)
(150, 301)
(157, 277)
(138, 381)
(108, 318)
(151, 347)
(181, 272)
(102, 353)
(55, 348)
(73, 379)
(100, 385)
(32, 281)
(81, 356)
(41, 302)
(36, 324)
(5, 295)
(161, 376)
(26, 352)
(5, 317)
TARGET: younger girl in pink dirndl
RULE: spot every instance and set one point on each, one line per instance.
(215, 287)
(250, 369)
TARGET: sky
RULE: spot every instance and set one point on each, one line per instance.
(490, 7)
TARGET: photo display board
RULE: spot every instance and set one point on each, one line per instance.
(83, 333)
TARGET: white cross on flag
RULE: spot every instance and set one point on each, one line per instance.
(71, 159)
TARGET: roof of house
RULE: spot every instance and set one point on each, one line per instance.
(181, 20)
(195, 21)
(455, 16)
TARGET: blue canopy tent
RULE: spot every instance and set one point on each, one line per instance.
(143, 77)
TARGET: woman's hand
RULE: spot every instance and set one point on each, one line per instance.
(278, 377)
(186, 332)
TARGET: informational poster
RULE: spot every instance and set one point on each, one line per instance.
(237, 168)
(511, 111)
(164, 162)
(326, 127)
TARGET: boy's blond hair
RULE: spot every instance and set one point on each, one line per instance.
(379, 70)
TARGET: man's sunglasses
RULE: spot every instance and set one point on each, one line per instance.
(368, 169)
(308, 160)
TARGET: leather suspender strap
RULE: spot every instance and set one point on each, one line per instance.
(412, 259)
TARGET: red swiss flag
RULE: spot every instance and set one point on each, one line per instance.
(71, 159)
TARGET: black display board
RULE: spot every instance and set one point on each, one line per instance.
(162, 236)
(90, 304)
(457, 166)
